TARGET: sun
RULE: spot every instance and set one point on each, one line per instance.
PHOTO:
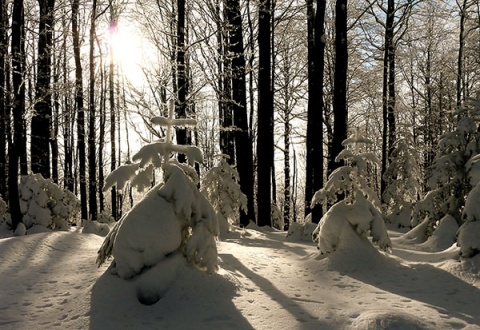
(129, 51)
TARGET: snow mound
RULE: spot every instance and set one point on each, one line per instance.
(95, 227)
(173, 216)
(301, 232)
(147, 233)
(361, 216)
(354, 253)
(444, 235)
(418, 234)
(469, 238)
(379, 320)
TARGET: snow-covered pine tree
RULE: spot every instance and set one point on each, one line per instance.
(173, 218)
(468, 235)
(44, 203)
(359, 210)
(451, 176)
(222, 189)
(403, 177)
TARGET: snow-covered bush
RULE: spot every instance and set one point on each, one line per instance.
(402, 177)
(44, 203)
(469, 232)
(277, 218)
(301, 231)
(359, 210)
(172, 218)
(222, 189)
(453, 176)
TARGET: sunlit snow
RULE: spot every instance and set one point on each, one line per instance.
(50, 280)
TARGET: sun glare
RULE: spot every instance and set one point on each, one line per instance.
(129, 52)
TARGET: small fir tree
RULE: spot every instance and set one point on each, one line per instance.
(403, 177)
(220, 186)
(448, 177)
(172, 218)
(359, 209)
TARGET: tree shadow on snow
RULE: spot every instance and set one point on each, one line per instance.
(304, 318)
(436, 288)
(192, 300)
(276, 240)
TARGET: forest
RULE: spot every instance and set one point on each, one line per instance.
(310, 102)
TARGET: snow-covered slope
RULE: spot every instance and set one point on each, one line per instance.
(49, 280)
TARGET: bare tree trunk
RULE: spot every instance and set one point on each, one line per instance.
(3, 109)
(92, 170)
(101, 138)
(286, 168)
(460, 73)
(40, 127)
(340, 112)
(227, 97)
(55, 120)
(388, 100)
(243, 142)
(80, 110)
(265, 117)
(113, 121)
(18, 78)
(181, 106)
(314, 152)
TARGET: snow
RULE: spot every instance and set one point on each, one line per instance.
(49, 280)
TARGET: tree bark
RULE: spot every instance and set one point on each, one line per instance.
(314, 152)
(243, 142)
(340, 112)
(224, 98)
(18, 78)
(181, 107)
(40, 126)
(55, 122)
(101, 138)
(388, 98)
(3, 109)
(80, 110)
(92, 170)
(111, 89)
(68, 120)
(265, 117)
(461, 46)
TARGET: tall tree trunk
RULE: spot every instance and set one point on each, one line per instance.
(101, 138)
(223, 77)
(80, 110)
(181, 106)
(314, 152)
(243, 142)
(113, 121)
(461, 47)
(55, 120)
(265, 117)
(340, 112)
(251, 59)
(40, 127)
(3, 109)
(92, 170)
(67, 115)
(286, 168)
(18, 78)
(388, 99)
(227, 96)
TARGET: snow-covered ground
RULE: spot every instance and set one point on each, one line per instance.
(49, 280)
